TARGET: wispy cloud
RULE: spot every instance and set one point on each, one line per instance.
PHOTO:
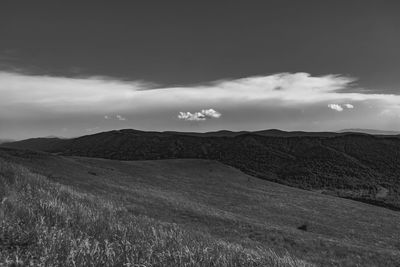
(89, 130)
(199, 116)
(120, 118)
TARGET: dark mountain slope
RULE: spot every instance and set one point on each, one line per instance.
(357, 166)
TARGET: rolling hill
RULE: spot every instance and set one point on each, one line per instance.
(358, 166)
(205, 201)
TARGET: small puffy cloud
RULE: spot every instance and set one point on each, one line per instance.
(336, 107)
(339, 108)
(88, 130)
(211, 113)
(350, 106)
(120, 118)
(199, 116)
(188, 116)
(117, 117)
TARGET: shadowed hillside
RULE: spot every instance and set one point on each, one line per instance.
(358, 166)
(196, 204)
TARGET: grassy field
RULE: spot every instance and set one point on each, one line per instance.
(180, 213)
(48, 224)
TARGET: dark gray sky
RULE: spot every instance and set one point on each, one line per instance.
(191, 44)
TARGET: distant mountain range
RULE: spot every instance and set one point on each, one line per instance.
(370, 131)
(276, 132)
(6, 141)
(269, 132)
(351, 165)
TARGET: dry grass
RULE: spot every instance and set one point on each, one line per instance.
(49, 224)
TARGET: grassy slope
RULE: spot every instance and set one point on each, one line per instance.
(223, 203)
(44, 223)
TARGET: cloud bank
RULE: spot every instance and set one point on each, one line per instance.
(199, 116)
(28, 98)
(100, 94)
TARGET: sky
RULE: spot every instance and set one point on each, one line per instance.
(70, 68)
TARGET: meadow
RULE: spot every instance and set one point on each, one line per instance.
(78, 211)
(48, 224)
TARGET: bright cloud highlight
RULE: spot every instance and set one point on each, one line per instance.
(335, 107)
(199, 116)
(339, 108)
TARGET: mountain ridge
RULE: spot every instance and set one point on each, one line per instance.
(370, 131)
(230, 133)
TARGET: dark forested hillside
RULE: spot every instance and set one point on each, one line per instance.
(358, 166)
